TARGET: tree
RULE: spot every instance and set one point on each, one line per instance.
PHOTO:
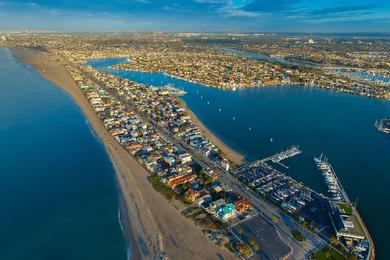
(334, 240)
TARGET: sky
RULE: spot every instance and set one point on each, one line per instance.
(197, 15)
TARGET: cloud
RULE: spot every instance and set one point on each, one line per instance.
(229, 11)
(344, 9)
(211, 1)
(269, 6)
(33, 4)
(143, 1)
(223, 15)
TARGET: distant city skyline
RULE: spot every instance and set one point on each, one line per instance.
(197, 15)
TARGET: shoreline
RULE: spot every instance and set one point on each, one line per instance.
(154, 225)
(30, 57)
(230, 153)
(292, 84)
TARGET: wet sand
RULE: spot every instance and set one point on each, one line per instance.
(153, 224)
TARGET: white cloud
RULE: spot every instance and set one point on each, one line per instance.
(142, 1)
(211, 1)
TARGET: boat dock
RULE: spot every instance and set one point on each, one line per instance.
(277, 158)
(334, 185)
(352, 226)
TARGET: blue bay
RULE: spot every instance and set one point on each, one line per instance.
(339, 125)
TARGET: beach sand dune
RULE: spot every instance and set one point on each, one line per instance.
(152, 223)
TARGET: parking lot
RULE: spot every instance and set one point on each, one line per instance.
(264, 234)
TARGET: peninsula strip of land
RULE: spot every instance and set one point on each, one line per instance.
(155, 225)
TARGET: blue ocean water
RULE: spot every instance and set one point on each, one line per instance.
(58, 194)
(258, 122)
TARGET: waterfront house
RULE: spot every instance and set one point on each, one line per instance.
(181, 180)
(242, 205)
(225, 212)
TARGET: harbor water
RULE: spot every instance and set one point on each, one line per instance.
(259, 122)
(58, 194)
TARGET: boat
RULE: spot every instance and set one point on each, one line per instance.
(330, 178)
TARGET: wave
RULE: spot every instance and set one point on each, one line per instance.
(128, 249)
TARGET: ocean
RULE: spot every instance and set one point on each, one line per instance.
(58, 192)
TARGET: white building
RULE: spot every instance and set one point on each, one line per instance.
(225, 164)
(185, 158)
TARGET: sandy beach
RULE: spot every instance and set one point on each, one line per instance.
(231, 154)
(154, 225)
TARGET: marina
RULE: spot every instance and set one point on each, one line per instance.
(334, 186)
(346, 221)
(368, 76)
(383, 125)
(291, 152)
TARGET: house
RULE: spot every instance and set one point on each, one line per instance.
(133, 147)
(215, 204)
(150, 165)
(203, 200)
(225, 164)
(217, 188)
(170, 160)
(185, 158)
(225, 212)
(177, 181)
(119, 131)
(192, 195)
(242, 205)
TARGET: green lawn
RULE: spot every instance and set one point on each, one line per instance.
(328, 253)
(346, 208)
